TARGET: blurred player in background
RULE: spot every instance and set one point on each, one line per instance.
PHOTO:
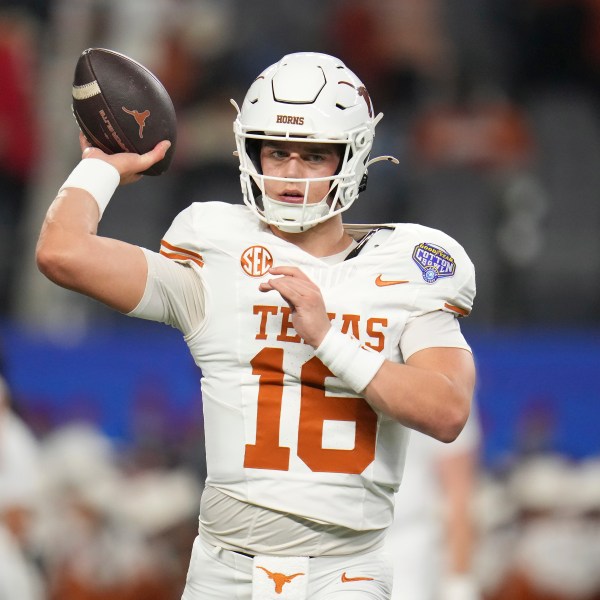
(433, 537)
(320, 344)
(20, 482)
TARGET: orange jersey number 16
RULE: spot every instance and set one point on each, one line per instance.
(315, 409)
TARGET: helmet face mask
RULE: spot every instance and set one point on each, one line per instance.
(305, 97)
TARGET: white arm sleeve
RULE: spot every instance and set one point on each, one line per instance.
(436, 329)
(174, 294)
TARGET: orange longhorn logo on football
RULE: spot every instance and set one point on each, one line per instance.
(279, 579)
(140, 118)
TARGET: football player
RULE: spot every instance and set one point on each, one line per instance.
(320, 344)
(433, 538)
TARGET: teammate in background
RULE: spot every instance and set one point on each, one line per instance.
(320, 344)
(433, 536)
(20, 483)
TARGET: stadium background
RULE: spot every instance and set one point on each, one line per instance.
(538, 390)
(492, 107)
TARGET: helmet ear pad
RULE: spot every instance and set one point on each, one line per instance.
(363, 183)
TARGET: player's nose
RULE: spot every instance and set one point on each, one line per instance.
(293, 167)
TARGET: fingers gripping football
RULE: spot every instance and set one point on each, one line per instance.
(130, 165)
(309, 315)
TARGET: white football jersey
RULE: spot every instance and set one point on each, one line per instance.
(281, 431)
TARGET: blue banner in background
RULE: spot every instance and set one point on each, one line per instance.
(537, 391)
(139, 379)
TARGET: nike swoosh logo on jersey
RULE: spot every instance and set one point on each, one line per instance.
(346, 579)
(383, 282)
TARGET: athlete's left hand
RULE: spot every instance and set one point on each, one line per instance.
(309, 315)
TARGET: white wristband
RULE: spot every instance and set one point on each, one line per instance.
(96, 177)
(347, 359)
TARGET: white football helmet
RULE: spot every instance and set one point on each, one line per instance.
(306, 97)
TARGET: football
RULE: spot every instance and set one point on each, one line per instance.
(120, 106)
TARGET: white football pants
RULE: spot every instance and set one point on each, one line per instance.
(218, 574)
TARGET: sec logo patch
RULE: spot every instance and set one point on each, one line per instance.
(256, 261)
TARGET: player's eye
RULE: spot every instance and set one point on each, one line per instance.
(276, 153)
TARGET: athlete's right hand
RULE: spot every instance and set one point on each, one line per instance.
(129, 164)
(309, 315)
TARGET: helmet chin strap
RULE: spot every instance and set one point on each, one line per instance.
(292, 218)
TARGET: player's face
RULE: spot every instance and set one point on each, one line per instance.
(298, 160)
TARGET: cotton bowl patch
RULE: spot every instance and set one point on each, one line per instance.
(433, 261)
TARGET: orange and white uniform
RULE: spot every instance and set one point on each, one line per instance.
(289, 445)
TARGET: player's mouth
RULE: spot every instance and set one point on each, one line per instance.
(291, 197)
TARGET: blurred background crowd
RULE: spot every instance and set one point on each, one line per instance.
(492, 107)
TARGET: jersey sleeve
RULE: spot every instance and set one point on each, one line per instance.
(179, 242)
(174, 294)
(447, 277)
(445, 280)
(460, 298)
(198, 232)
(176, 289)
(437, 329)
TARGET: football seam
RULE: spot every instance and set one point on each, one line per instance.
(137, 63)
(115, 123)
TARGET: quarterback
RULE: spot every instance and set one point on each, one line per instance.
(321, 344)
